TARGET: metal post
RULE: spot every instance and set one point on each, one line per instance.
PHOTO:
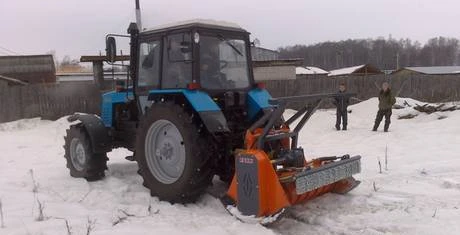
(98, 74)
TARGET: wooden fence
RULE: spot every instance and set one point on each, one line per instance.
(429, 88)
(49, 101)
(56, 100)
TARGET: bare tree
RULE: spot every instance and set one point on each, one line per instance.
(385, 53)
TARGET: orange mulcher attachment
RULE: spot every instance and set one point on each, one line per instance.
(271, 173)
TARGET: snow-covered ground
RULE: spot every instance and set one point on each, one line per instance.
(418, 193)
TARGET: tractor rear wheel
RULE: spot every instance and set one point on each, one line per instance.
(81, 160)
(171, 154)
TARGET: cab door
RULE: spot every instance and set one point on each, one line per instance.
(177, 61)
(148, 70)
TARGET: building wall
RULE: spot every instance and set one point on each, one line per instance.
(262, 54)
(404, 72)
(274, 73)
(3, 84)
(311, 76)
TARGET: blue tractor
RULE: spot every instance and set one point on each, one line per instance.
(193, 111)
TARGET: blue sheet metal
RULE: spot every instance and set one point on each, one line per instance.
(108, 100)
(257, 100)
(199, 100)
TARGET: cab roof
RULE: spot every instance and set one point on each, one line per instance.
(201, 23)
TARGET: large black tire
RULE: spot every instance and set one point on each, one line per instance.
(81, 160)
(197, 171)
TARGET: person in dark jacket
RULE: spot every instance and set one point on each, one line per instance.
(386, 102)
(342, 103)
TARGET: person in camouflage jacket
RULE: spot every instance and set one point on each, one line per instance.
(386, 102)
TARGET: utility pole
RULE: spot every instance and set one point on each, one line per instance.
(397, 60)
(138, 16)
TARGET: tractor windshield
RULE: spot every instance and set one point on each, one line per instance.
(223, 63)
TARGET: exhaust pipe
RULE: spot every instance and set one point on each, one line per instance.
(138, 16)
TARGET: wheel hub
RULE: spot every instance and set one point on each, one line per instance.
(165, 151)
(77, 154)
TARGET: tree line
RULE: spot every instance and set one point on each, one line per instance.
(386, 54)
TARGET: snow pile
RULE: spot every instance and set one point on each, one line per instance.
(345, 71)
(418, 191)
(252, 219)
(309, 70)
(21, 124)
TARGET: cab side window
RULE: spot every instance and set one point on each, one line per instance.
(149, 64)
(177, 63)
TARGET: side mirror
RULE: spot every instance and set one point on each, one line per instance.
(111, 49)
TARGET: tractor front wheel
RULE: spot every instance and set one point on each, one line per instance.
(171, 154)
(81, 160)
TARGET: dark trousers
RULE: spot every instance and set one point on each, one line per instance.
(342, 116)
(380, 114)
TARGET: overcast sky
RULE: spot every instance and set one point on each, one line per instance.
(78, 27)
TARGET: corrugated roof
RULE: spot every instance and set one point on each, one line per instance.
(29, 68)
(26, 64)
(434, 70)
(309, 70)
(12, 80)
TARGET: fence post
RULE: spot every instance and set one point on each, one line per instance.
(98, 73)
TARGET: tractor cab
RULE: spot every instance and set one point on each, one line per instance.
(212, 56)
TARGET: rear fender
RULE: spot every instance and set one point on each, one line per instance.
(97, 132)
(210, 113)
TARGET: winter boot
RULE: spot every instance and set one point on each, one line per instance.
(385, 128)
